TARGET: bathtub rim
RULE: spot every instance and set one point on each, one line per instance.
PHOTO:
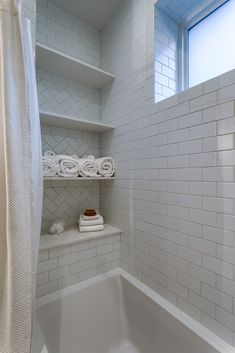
(196, 327)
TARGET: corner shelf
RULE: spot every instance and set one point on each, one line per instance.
(56, 178)
(73, 236)
(68, 122)
(73, 69)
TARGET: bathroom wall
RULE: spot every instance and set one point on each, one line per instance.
(70, 264)
(173, 196)
(166, 56)
(64, 32)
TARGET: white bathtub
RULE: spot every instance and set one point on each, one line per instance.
(115, 313)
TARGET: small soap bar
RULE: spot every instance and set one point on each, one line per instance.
(90, 213)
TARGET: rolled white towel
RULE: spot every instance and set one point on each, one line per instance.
(106, 166)
(90, 222)
(50, 167)
(90, 157)
(60, 157)
(91, 228)
(49, 154)
(88, 168)
(69, 167)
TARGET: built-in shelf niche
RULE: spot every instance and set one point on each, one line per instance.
(71, 68)
(68, 122)
(73, 236)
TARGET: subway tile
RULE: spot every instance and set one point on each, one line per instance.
(226, 285)
(202, 275)
(58, 273)
(202, 188)
(189, 309)
(226, 253)
(191, 93)
(203, 246)
(177, 288)
(190, 147)
(42, 278)
(67, 281)
(202, 131)
(203, 102)
(47, 265)
(190, 120)
(226, 158)
(179, 110)
(226, 190)
(190, 255)
(226, 94)
(218, 112)
(216, 235)
(190, 174)
(226, 126)
(190, 228)
(223, 174)
(224, 142)
(67, 259)
(191, 201)
(178, 161)
(189, 282)
(203, 159)
(226, 221)
(225, 318)
(46, 288)
(218, 204)
(217, 266)
(202, 217)
(201, 303)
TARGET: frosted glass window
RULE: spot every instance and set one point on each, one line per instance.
(212, 45)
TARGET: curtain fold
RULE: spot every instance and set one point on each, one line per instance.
(20, 180)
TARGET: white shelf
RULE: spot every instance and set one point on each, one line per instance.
(73, 69)
(64, 121)
(73, 236)
(76, 178)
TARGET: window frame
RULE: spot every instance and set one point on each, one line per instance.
(183, 51)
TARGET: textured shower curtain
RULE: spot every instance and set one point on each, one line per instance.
(20, 180)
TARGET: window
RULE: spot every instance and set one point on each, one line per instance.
(194, 42)
(211, 45)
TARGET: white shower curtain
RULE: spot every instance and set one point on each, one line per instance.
(20, 180)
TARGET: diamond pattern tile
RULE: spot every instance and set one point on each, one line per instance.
(66, 203)
(58, 95)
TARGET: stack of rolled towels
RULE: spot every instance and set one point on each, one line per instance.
(73, 166)
(90, 221)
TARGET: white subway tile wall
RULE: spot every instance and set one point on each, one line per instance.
(173, 196)
(166, 55)
(62, 31)
(63, 266)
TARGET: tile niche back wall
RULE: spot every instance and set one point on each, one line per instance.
(174, 192)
